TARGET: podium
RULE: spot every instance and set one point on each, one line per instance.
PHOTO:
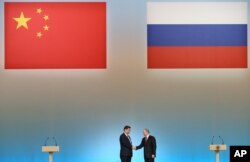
(217, 149)
(50, 150)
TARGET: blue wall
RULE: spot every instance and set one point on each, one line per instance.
(87, 109)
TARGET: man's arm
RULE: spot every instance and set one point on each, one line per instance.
(154, 147)
(141, 145)
(124, 143)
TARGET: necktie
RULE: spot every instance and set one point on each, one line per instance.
(129, 139)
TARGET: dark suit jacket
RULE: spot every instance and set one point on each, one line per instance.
(149, 146)
(126, 146)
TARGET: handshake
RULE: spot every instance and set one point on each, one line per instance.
(133, 147)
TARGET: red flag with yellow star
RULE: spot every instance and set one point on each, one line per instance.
(55, 35)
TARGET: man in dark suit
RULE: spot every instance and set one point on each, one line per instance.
(126, 145)
(149, 144)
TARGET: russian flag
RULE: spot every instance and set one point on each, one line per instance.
(197, 34)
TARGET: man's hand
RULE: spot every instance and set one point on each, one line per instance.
(134, 147)
(153, 156)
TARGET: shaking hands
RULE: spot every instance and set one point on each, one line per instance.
(134, 147)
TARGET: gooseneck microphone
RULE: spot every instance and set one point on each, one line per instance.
(212, 141)
(221, 140)
(45, 142)
(55, 140)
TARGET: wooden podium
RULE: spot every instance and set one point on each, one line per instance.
(50, 150)
(217, 149)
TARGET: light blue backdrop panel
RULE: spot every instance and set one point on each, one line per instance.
(87, 109)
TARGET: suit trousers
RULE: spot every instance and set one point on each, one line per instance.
(149, 159)
(125, 158)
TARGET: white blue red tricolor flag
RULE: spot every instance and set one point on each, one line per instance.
(197, 34)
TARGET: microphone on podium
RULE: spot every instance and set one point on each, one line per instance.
(55, 140)
(221, 140)
(45, 142)
(212, 141)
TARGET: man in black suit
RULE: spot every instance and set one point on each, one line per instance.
(126, 145)
(149, 144)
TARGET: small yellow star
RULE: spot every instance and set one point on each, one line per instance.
(22, 21)
(46, 17)
(39, 10)
(39, 34)
(46, 27)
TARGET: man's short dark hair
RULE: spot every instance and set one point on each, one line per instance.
(126, 127)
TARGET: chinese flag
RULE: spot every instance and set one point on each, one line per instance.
(55, 35)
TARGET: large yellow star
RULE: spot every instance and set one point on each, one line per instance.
(22, 21)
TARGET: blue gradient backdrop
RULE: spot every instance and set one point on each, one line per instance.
(87, 109)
